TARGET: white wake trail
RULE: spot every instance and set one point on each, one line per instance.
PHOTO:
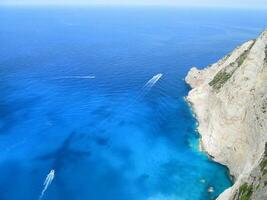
(47, 182)
(75, 77)
(149, 84)
(153, 81)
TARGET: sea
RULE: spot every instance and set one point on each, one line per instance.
(92, 100)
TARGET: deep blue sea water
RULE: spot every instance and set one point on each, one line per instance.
(74, 99)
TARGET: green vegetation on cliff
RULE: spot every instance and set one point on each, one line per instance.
(240, 60)
(225, 74)
(219, 79)
(245, 191)
(263, 163)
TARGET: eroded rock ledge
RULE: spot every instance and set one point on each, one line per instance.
(229, 99)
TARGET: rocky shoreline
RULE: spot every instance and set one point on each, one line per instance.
(229, 99)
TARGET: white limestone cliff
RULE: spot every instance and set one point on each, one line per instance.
(229, 99)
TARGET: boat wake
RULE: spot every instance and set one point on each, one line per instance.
(49, 178)
(149, 84)
(153, 81)
(75, 77)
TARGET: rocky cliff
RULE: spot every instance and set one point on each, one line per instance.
(229, 99)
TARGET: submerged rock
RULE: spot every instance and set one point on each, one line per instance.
(203, 181)
(210, 189)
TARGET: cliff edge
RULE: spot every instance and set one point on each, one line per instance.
(229, 99)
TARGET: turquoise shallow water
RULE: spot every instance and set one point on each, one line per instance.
(79, 118)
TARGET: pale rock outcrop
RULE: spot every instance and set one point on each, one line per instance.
(229, 99)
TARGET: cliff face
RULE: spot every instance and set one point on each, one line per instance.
(229, 99)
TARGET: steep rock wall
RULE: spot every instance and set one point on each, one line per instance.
(229, 99)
